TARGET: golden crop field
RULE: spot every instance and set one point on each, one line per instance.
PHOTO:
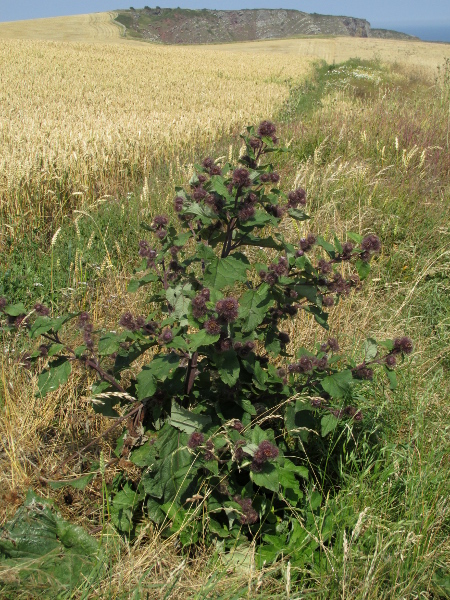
(81, 118)
(85, 111)
(95, 27)
(338, 49)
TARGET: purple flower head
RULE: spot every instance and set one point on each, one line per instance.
(333, 344)
(225, 344)
(390, 360)
(241, 178)
(365, 373)
(213, 327)
(328, 301)
(161, 234)
(160, 221)
(166, 336)
(255, 143)
(149, 328)
(199, 309)
(43, 350)
(322, 363)
(41, 310)
(324, 266)
(265, 177)
(208, 162)
(215, 170)
(178, 204)
(237, 425)
(274, 177)
(199, 194)
(227, 309)
(266, 129)
(403, 344)
(249, 514)
(267, 450)
(247, 212)
(297, 197)
(195, 440)
(201, 178)
(3, 302)
(206, 294)
(347, 249)
(275, 210)
(371, 243)
(308, 242)
(127, 321)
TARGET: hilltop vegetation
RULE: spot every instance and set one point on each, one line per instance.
(182, 26)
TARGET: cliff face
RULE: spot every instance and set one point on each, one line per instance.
(181, 26)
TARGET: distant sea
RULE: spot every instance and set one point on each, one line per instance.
(428, 33)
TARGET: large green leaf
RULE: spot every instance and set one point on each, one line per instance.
(338, 384)
(268, 479)
(123, 506)
(187, 421)
(253, 306)
(42, 548)
(223, 272)
(45, 324)
(57, 374)
(228, 367)
(146, 384)
(328, 424)
(201, 338)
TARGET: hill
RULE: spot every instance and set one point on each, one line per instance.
(182, 26)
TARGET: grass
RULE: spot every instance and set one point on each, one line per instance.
(372, 153)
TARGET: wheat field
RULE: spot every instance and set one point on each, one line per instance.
(78, 120)
(85, 113)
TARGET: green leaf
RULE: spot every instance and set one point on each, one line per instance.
(363, 268)
(187, 421)
(178, 300)
(14, 310)
(297, 214)
(39, 545)
(123, 506)
(201, 338)
(370, 349)
(268, 479)
(228, 367)
(223, 272)
(78, 483)
(392, 376)
(329, 248)
(338, 385)
(252, 240)
(54, 349)
(45, 324)
(355, 237)
(108, 344)
(163, 365)
(328, 423)
(253, 307)
(57, 374)
(217, 185)
(146, 384)
(135, 284)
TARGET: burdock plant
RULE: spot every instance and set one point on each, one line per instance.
(222, 403)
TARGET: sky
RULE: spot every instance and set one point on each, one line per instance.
(405, 15)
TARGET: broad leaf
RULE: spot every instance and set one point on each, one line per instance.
(187, 421)
(254, 305)
(57, 374)
(328, 424)
(370, 349)
(146, 383)
(269, 477)
(338, 385)
(223, 272)
(363, 268)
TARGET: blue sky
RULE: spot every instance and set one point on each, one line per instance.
(381, 13)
